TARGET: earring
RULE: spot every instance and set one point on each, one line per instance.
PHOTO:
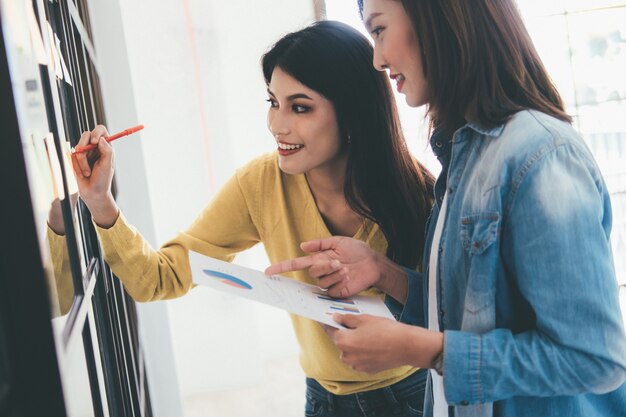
(349, 139)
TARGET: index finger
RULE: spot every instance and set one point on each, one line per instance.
(320, 245)
(295, 264)
(100, 131)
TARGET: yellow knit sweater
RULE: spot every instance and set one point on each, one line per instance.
(259, 203)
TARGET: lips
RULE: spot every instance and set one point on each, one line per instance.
(289, 146)
(285, 149)
(399, 79)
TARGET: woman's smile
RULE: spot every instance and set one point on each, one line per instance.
(399, 79)
(286, 149)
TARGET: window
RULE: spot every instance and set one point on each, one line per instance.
(583, 45)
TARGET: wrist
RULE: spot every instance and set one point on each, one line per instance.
(436, 362)
(392, 278)
(426, 349)
(104, 212)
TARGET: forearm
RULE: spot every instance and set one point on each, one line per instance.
(55, 218)
(104, 212)
(61, 269)
(147, 275)
(423, 346)
(392, 280)
(55, 214)
(499, 364)
(412, 310)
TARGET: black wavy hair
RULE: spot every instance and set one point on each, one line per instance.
(384, 183)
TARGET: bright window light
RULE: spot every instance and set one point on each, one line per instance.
(583, 45)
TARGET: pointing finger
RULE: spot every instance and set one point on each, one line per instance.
(295, 264)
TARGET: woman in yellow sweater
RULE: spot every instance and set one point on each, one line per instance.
(341, 168)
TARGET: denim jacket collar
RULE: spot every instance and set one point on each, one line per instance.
(442, 145)
(483, 130)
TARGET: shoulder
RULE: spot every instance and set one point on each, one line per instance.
(530, 143)
(541, 148)
(531, 132)
(261, 170)
(529, 136)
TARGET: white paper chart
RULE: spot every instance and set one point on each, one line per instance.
(288, 294)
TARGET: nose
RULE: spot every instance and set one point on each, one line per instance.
(379, 60)
(277, 123)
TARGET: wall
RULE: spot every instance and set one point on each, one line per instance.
(189, 71)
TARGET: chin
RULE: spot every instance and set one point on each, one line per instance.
(413, 100)
(288, 168)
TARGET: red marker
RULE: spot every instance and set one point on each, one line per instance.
(131, 130)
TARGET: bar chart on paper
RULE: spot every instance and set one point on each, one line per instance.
(339, 305)
(288, 294)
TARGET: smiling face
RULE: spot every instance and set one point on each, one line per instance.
(304, 124)
(396, 48)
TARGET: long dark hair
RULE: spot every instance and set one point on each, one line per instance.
(384, 183)
(480, 63)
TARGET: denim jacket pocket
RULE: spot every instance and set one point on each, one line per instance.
(479, 231)
(479, 236)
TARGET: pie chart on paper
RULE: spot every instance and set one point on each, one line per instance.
(228, 279)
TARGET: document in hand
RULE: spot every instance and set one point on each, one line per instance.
(296, 297)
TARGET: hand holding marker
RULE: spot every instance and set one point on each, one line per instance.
(86, 148)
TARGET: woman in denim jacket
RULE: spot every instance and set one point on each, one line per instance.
(516, 311)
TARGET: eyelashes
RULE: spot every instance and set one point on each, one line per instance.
(296, 108)
(300, 109)
(376, 31)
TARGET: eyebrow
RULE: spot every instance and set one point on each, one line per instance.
(291, 97)
(368, 22)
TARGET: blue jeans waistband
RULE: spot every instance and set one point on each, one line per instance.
(392, 395)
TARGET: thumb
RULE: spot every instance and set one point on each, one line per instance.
(351, 321)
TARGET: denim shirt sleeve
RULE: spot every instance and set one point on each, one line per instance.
(555, 248)
(412, 312)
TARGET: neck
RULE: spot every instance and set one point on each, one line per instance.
(326, 185)
(327, 182)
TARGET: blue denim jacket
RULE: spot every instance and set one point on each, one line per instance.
(527, 293)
